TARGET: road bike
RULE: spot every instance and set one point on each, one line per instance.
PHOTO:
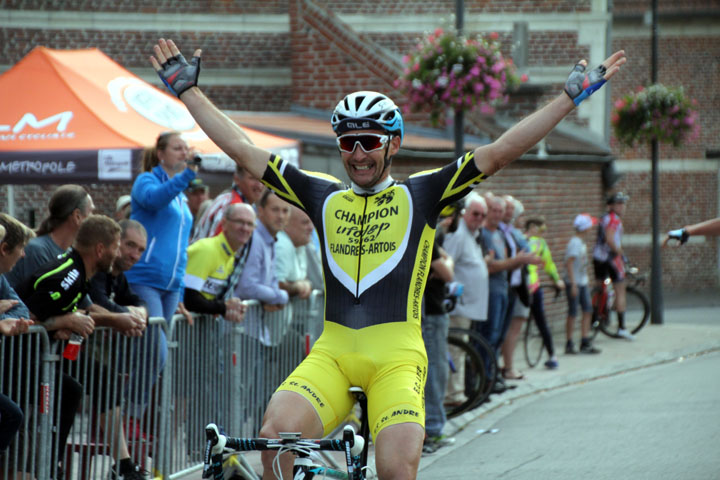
(479, 373)
(309, 463)
(533, 344)
(637, 310)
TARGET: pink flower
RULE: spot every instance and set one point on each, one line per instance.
(494, 35)
(475, 71)
(619, 103)
(438, 32)
(524, 77)
(406, 59)
(478, 87)
(416, 67)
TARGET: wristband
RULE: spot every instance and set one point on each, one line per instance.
(580, 86)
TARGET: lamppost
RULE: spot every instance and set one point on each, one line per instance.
(656, 297)
(459, 117)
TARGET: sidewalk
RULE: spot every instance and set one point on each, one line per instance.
(686, 331)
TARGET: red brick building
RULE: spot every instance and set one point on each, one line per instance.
(293, 60)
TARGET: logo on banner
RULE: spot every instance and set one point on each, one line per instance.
(150, 103)
(30, 127)
(115, 164)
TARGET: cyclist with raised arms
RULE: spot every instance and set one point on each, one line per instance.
(376, 237)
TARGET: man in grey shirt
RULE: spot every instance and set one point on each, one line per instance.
(471, 271)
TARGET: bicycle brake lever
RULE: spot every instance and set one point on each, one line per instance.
(213, 450)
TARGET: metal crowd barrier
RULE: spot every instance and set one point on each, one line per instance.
(226, 372)
(215, 371)
(28, 378)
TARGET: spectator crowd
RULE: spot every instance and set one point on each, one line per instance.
(171, 249)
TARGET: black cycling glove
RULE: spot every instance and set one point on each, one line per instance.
(580, 86)
(179, 75)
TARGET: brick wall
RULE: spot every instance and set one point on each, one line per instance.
(687, 194)
(152, 6)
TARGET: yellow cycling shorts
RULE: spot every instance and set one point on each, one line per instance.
(392, 373)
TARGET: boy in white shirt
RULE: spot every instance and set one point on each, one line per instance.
(576, 284)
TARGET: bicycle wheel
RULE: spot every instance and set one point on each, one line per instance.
(533, 343)
(599, 321)
(473, 376)
(488, 357)
(637, 311)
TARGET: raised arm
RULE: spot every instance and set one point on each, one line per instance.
(181, 78)
(525, 134)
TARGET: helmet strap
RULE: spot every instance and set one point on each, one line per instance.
(387, 161)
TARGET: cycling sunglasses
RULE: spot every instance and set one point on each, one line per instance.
(369, 142)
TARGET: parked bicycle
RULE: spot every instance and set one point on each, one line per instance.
(637, 310)
(309, 463)
(479, 373)
(533, 342)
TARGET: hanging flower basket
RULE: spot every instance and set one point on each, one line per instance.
(464, 74)
(660, 112)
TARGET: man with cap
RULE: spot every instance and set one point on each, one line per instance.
(122, 208)
(609, 258)
(197, 193)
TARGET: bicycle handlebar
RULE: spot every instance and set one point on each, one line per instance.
(218, 443)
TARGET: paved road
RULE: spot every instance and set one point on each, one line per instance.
(658, 422)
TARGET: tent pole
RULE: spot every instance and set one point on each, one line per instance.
(11, 200)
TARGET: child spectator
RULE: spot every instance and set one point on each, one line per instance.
(576, 284)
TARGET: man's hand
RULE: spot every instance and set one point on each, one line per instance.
(526, 258)
(6, 305)
(80, 323)
(176, 73)
(273, 308)
(574, 290)
(14, 326)
(234, 310)
(129, 324)
(303, 289)
(680, 236)
(63, 334)
(580, 85)
(139, 311)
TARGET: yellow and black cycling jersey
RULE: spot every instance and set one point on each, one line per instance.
(376, 247)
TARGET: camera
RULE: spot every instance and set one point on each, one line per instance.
(196, 160)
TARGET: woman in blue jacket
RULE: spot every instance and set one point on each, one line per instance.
(158, 202)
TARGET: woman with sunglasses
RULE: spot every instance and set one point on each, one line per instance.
(377, 236)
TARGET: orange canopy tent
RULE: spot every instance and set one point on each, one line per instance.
(77, 116)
